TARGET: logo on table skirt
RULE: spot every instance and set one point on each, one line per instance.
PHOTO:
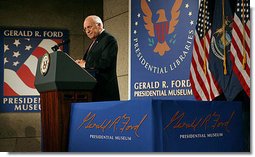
(122, 123)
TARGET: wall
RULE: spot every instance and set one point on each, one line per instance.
(116, 17)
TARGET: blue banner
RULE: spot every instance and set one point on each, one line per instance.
(162, 34)
(21, 49)
(156, 126)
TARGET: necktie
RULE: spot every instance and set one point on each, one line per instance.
(91, 45)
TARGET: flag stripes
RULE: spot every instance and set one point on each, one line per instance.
(203, 85)
(21, 82)
(237, 55)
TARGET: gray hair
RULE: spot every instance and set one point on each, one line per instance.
(96, 19)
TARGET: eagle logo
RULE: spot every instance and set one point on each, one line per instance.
(162, 27)
(219, 41)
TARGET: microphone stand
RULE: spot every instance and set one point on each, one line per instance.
(56, 47)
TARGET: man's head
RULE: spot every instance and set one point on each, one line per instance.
(93, 26)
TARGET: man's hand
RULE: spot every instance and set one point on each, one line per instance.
(80, 62)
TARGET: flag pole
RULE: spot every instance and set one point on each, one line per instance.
(204, 40)
(243, 42)
(224, 38)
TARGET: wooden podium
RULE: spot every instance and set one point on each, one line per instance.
(60, 82)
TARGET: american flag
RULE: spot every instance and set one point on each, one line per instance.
(240, 45)
(204, 86)
(20, 63)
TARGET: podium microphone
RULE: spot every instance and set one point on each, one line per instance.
(56, 47)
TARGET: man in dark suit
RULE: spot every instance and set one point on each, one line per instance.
(100, 59)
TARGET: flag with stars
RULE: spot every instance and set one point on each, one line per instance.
(20, 59)
(21, 49)
(203, 84)
(240, 44)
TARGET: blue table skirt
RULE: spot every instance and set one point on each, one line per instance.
(156, 126)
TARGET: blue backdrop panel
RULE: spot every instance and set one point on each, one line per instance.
(159, 58)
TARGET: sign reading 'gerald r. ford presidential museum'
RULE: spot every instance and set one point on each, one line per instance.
(162, 34)
(20, 50)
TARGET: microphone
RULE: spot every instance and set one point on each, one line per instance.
(56, 47)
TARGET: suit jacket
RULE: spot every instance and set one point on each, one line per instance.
(101, 59)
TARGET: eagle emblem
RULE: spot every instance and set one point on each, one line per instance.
(219, 41)
(162, 27)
